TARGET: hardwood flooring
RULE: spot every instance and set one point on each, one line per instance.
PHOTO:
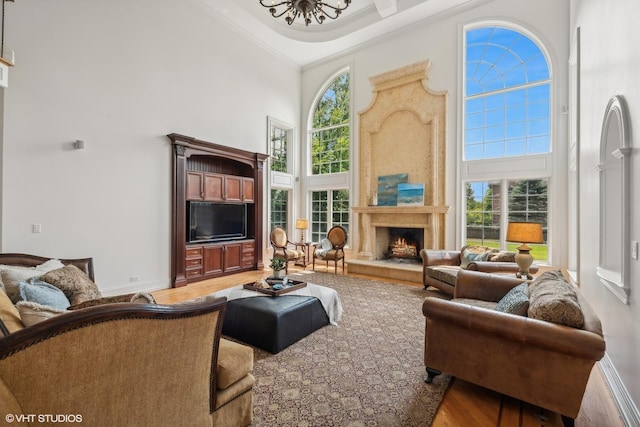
(464, 404)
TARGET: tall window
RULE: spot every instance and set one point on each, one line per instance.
(507, 90)
(488, 212)
(328, 208)
(280, 173)
(507, 93)
(330, 137)
(330, 157)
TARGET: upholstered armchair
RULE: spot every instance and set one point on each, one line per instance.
(128, 364)
(284, 248)
(331, 248)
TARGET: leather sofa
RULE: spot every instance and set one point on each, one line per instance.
(440, 267)
(537, 361)
(124, 364)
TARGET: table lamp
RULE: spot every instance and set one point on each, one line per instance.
(302, 224)
(524, 232)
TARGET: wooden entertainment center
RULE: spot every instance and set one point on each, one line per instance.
(208, 172)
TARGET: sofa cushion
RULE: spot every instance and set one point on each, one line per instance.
(139, 297)
(444, 273)
(9, 314)
(235, 361)
(474, 253)
(516, 301)
(42, 293)
(476, 303)
(32, 313)
(553, 299)
(75, 284)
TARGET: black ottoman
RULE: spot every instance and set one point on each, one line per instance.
(273, 323)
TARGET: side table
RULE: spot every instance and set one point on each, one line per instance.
(306, 248)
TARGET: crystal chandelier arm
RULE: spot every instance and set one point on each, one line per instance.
(336, 9)
(273, 8)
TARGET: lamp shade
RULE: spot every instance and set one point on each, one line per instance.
(525, 232)
(302, 224)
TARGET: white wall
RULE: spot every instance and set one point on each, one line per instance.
(440, 41)
(610, 62)
(120, 75)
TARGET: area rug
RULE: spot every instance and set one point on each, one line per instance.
(367, 371)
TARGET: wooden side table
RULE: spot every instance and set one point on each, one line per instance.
(306, 248)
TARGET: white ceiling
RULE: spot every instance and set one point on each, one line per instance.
(362, 22)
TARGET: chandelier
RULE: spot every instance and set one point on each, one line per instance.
(305, 9)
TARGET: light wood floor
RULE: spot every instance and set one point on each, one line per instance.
(464, 404)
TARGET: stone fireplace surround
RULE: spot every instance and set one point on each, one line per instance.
(403, 130)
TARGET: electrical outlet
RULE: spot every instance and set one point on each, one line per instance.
(634, 249)
(36, 228)
(133, 279)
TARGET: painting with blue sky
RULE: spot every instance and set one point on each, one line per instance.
(411, 194)
(388, 188)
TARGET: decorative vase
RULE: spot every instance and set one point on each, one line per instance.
(278, 274)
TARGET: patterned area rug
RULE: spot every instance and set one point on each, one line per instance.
(368, 371)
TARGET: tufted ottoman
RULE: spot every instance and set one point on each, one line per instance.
(273, 323)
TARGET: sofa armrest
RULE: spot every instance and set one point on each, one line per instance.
(518, 329)
(498, 267)
(483, 286)
(436, 257)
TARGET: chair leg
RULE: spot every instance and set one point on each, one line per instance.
(431, 374)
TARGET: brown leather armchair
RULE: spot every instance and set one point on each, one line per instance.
(539, 362)
(440, 268)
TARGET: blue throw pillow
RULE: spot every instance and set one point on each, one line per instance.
(516, 301)
(42, 293)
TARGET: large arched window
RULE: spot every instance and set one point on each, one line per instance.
(330, 157)
(507, 119)
(507, 95)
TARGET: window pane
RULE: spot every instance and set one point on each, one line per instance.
(278, 149)
(483, 213)
(528, 202)
(279, 208)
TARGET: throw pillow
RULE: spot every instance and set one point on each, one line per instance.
(75, 284)
(474, 253)
(140, 297)
(9, 314)
(42, 293)
(12, 276)
(553, 299)
(516, 301)
(32, 312)
(49, 265)
(503, 256)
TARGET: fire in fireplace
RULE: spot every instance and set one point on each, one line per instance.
(404, 243)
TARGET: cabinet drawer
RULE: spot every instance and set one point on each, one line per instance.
(194, 272)
(194, 252)
(194, 262)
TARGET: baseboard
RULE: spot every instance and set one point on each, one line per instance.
(628, 409)
(138, 287)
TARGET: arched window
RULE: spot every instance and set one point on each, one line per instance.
(330, 134)
(506, 100)
(506, 95)
(330, 157)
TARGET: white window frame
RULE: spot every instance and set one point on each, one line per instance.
(282, 180)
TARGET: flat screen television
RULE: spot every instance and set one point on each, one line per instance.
(210, 222)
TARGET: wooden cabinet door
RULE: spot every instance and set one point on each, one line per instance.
(233, 188)
(213, 259)
(232, 257)
(213, 187)
(194, 186)
(247, 190)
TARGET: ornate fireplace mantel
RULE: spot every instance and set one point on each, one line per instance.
(403, 130)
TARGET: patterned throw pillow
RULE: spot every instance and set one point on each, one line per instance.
(42, 293)
(503, 256)
(553, 299)
(75, 284)
(516, 301)
(140, 298)
(32, 312)
(474, 253)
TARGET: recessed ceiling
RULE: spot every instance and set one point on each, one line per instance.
(361, 22)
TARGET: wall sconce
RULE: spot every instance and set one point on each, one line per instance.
(78, 144)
